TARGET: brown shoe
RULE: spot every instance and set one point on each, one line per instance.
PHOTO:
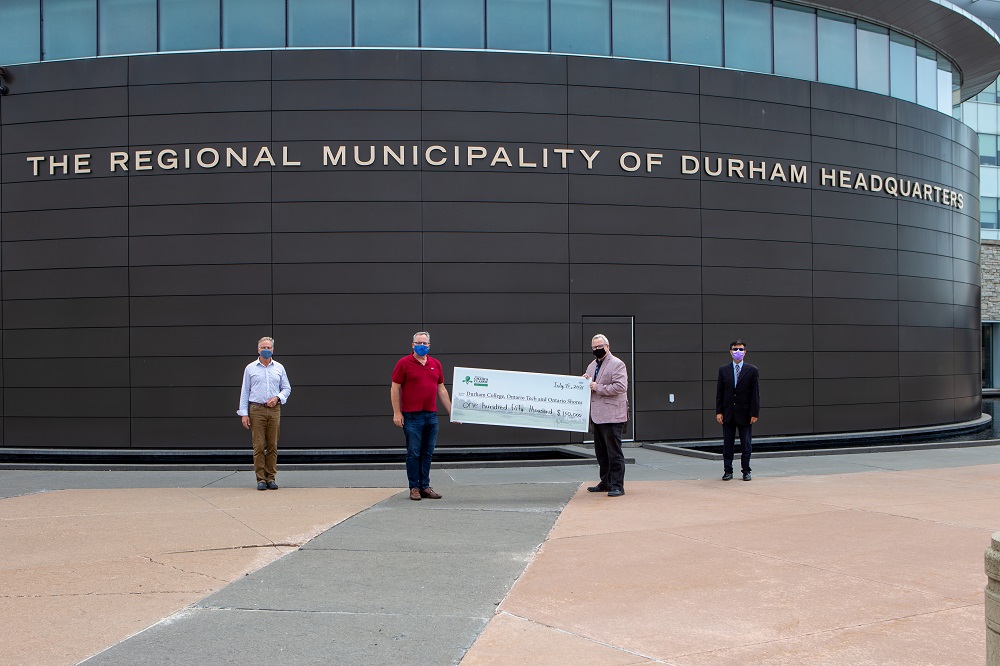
(415, 494)
(429, 493)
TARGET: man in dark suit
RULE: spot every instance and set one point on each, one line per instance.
(737, 406)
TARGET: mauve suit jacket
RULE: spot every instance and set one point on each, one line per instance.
(609, 403)
(738, 403)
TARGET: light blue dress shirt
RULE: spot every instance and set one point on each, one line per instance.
(261, 383)
(737, 367)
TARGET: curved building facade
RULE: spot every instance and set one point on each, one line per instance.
(339, 180)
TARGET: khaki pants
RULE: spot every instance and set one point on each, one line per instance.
(265, 424)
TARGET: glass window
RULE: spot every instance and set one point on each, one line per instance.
(794, 41)
(944, 85)
(127, 26)
(988, 149)
(987, 355)
(926, 76)
(319, 22)
(459, 24)
(253, 23)
(20, 21)
(189, 25)
(988, 185)
(988, 212)
(748, 34)
(517, 25)
(640, 29)
(696, 31)
(69, 29)
(581, 26)
(902, 67)
(987, 118)
(956, 91)
(386, 23)
(837, 50)
(873, 58)
(969, 115)
(988, 95)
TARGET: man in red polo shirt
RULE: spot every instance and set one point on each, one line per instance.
(417, 383)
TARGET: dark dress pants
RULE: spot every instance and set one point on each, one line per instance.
(729, 440)
(610, 459)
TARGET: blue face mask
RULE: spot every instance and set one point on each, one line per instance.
(266, 353)
(421, 350)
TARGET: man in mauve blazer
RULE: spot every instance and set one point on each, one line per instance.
(608, 414)
(737, 406)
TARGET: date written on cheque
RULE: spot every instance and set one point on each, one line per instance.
(565, 385)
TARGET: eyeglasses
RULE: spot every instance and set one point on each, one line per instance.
(598, 347)
(742, 349)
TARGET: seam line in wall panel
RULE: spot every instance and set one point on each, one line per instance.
(128, 244)
(812, 258)
(270, 207)
(3, 352)
(701, 260)
(569, 263)
(423, 230)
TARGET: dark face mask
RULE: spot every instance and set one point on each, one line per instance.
(600, 352)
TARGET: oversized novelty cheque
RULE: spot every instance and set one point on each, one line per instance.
(520, 399)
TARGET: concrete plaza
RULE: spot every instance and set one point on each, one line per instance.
(872, 558)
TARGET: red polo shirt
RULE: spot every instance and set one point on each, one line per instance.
(418, 383)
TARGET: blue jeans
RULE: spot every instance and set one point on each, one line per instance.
(421, 430)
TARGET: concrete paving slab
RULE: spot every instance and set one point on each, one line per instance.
(700, 594)
(199, 636)
(869, 545)
(372, 582)
(84, 569)
(441, 530)
(852, 584)
(865, 489)
(514, 640)
(14, 483)
(980, 474)
(45, 630)
(934, 639)
(655, 505)
(509, 475)
(546, 497)
(443, 564)
(968, 513)
(320, 478)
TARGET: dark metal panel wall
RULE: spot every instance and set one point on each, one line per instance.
(132, 301)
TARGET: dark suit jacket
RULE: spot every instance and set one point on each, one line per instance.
(738, 403)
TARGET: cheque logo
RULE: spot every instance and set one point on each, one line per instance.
(476, 381)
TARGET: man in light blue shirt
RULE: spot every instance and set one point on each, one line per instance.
(265, 390)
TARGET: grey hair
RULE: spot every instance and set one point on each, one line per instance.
(422, 333)
(271, 340)
(602, 337)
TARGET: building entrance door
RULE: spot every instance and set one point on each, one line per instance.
(620, 332)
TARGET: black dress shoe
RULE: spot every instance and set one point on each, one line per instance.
(599, 488)
(746, 476)
(261, 486)
(271, 485)
(727, 476)
(616, 492)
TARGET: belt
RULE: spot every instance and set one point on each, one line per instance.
(260, 403)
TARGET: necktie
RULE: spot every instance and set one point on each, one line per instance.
(737, 375)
